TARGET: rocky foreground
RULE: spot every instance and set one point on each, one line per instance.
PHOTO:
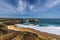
(26, 34)
(23, 36)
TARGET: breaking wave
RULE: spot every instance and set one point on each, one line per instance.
(49, 29)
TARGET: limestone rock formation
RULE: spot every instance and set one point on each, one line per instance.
(23, 36)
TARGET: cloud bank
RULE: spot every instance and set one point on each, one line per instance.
(28, 8)
(5, 8)
(36, 5)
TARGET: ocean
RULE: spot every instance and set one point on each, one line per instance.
(45, 25)
(45, 22)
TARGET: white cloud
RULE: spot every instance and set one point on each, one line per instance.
(51, 3)
(5, 8)
(32, 8)
(21, 6)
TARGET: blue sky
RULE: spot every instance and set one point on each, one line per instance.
(30, 8)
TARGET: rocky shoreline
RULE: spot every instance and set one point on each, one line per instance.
(26, 34)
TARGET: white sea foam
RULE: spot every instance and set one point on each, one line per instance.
(49, 29)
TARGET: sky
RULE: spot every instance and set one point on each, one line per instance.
(29, 8)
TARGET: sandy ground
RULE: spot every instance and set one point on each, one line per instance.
(40, 34)
(12, 27)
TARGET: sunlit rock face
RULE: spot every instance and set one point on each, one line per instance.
(30, 36)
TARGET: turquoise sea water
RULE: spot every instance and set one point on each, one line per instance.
(45, 25)
(46, 22)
